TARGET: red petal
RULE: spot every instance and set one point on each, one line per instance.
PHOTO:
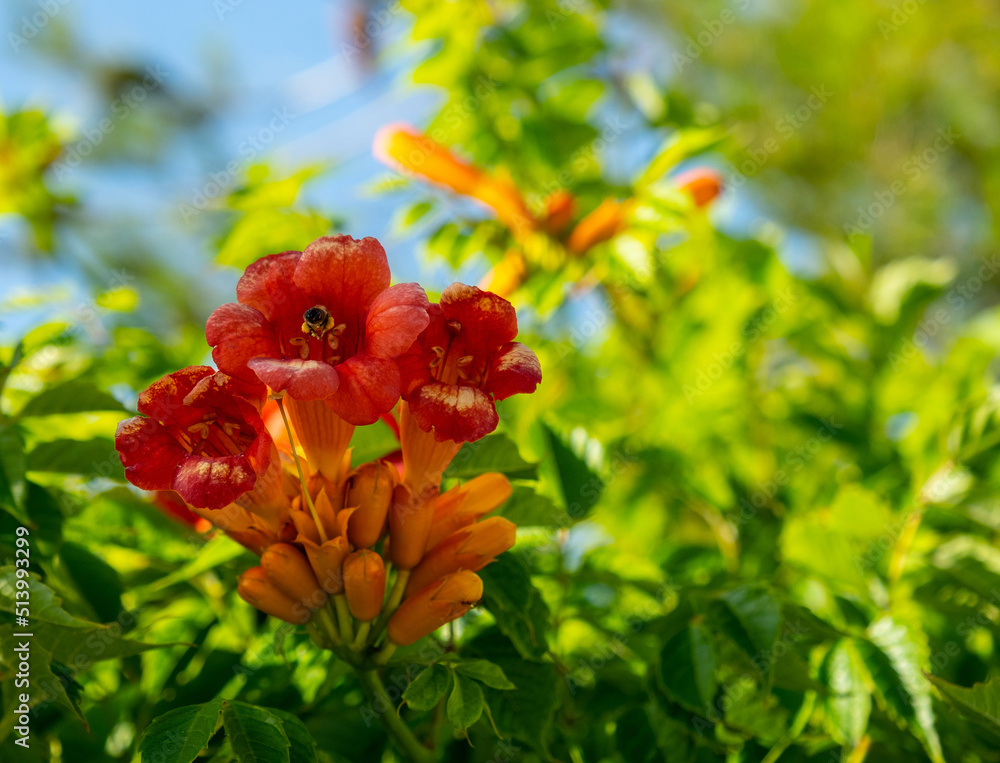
(164, 399)
(211, 483)
(302, 379)
(238, 334)
(267, 285)
(369, 387)
(348, 274)
(148, 452)
(462, 414)
(395, 320)
(515, 370)
(487, 320)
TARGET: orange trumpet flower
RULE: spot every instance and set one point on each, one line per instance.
(441, 602)
(259, 591)
(469, 549)
(702, 183)
(290, 572)
(364, 584)
(605, 222)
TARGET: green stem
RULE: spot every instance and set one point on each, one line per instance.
(395, 596)
(344, 617)
(398, 730)
(362, 637)
(302, 477)
(385, 653)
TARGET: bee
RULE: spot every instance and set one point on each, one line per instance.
(472, 604)
(316, 321)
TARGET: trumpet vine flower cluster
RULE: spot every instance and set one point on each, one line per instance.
(317, 344)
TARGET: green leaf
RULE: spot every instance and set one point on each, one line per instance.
(485, 672)
(97, 581)
(256, 734)
(12, 468)
(525, 712)
(218, 550)
(892, 659)
(980, 703)
(372, 442)
(91, 458)
(581, 487)
(46, 607)
(757, 617)
(687, 668)
(302, 747)
(427, 689)
(849, 703)
(180, 735)
(465, 704)
(75, 396)
(528, 508)
(516, 605)
(493, 453)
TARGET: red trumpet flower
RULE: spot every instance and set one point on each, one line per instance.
(463, 362)
(198, 437)
(322, 324)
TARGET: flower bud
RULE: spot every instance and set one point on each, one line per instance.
(257, 590)
(364, 584)
(701, 183)
(607, 221)
(469, 549)
(326, 561)
(441, 602)
(463, 505)
(370, 490)
(409, 526)
(288, 569)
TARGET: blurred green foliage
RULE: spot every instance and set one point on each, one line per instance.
(759, 509)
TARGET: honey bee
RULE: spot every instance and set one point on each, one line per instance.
(316, 321)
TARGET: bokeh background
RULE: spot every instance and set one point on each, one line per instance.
(768, 424)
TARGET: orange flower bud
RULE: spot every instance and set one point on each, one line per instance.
(463, 505)
(257, 590)
(288, 569)
(607, 221)
(364, 584)
(441, 602)
(327, 562)
(702, 183)
(409, 526)
(409, 150)
(559, 210)
(469, 549)
(508, 274)
(370, 490)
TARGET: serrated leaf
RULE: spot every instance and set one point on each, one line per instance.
(979, 703)
(849, 703)
(91, 458)
(893, 661)
(180, 735)
(687, 667)
(427, 689)
(75, 396)
(97, 581)
(302, 747)
(581, 487)
(465, 703)
(516, 605)
(485, 672)
(493, 453)
(46, 607)
(528, 508)
(256, 734)
(757, 618)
